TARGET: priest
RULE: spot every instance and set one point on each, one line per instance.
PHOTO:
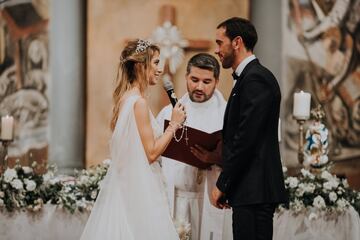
(189, 187)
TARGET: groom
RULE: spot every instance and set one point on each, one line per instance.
(251, 181)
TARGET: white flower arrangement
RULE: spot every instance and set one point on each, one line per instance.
(319, 192)
(30, 189)
(21, 187)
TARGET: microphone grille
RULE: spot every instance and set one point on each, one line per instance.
(167, 83)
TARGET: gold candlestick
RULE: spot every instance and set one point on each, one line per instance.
(5, 143)
(301, 140)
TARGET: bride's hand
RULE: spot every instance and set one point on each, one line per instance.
(178, 115)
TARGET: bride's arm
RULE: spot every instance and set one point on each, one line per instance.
(155, 147)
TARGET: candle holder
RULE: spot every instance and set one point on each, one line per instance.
(5, 143)
(301, 154)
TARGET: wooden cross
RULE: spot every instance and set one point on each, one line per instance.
(168, 14)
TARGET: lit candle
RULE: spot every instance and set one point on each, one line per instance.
(7, 124)
(302, 105)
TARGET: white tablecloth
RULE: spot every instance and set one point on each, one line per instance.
(51, 223)
(345, 226)
(58, 224)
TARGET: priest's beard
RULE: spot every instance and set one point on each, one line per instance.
(200, 96)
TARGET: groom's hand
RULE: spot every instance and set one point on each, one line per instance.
(216, 199)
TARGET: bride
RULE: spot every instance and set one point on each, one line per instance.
(132, 204)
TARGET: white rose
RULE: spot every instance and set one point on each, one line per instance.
(342, 203)
(1, 202)
(10, 174)
(37, 208)
(332, 184)
(30, 185)
(93, 178)
(39, 201)
(27, 170)
(100, 183)
(47, 177)
(332, 196)
(67, 189)
(326, 175)
(89, 207)
(327, 186)
(2, 194)
(300, 191)
(107, 161)
(17, 184)
(84, 179)
(319, 202)
(309, 188)
(345, 183)
(93, 194)
(306, 173)
(313, 216)
(81, 203)
(293, 182)
(297, 206)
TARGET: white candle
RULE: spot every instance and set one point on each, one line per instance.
(7, 124)
(301, 108)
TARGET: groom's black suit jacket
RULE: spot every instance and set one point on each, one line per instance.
(252, 171)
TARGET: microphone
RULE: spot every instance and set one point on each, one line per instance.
(169, 88)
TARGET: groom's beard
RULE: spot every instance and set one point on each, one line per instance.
(228, 60)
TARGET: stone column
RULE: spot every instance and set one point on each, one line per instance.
(67, 84)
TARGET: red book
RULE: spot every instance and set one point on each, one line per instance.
(180, 151)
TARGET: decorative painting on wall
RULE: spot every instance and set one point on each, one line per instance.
(321, 52)
(24, 76)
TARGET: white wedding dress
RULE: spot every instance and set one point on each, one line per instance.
(132, 204)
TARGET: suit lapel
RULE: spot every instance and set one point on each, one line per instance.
(236, 86)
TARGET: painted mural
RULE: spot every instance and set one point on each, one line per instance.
(24, 74)
(321, 55)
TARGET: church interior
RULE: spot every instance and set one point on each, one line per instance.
(58, 66)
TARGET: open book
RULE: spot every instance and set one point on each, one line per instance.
(180, 151)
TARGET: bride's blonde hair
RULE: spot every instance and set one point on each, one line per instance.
(134, 66)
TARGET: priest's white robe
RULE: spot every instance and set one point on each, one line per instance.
(189, 188)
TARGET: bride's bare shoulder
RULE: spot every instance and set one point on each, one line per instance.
(141, 106)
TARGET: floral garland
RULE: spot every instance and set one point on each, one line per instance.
(24, 188)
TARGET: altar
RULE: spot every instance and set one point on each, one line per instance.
(55, 223)
(50, 223)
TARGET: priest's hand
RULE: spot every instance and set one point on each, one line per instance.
(217, 198)
(206, 156)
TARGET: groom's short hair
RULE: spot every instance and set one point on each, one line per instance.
(242, 27)
(204, 61)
